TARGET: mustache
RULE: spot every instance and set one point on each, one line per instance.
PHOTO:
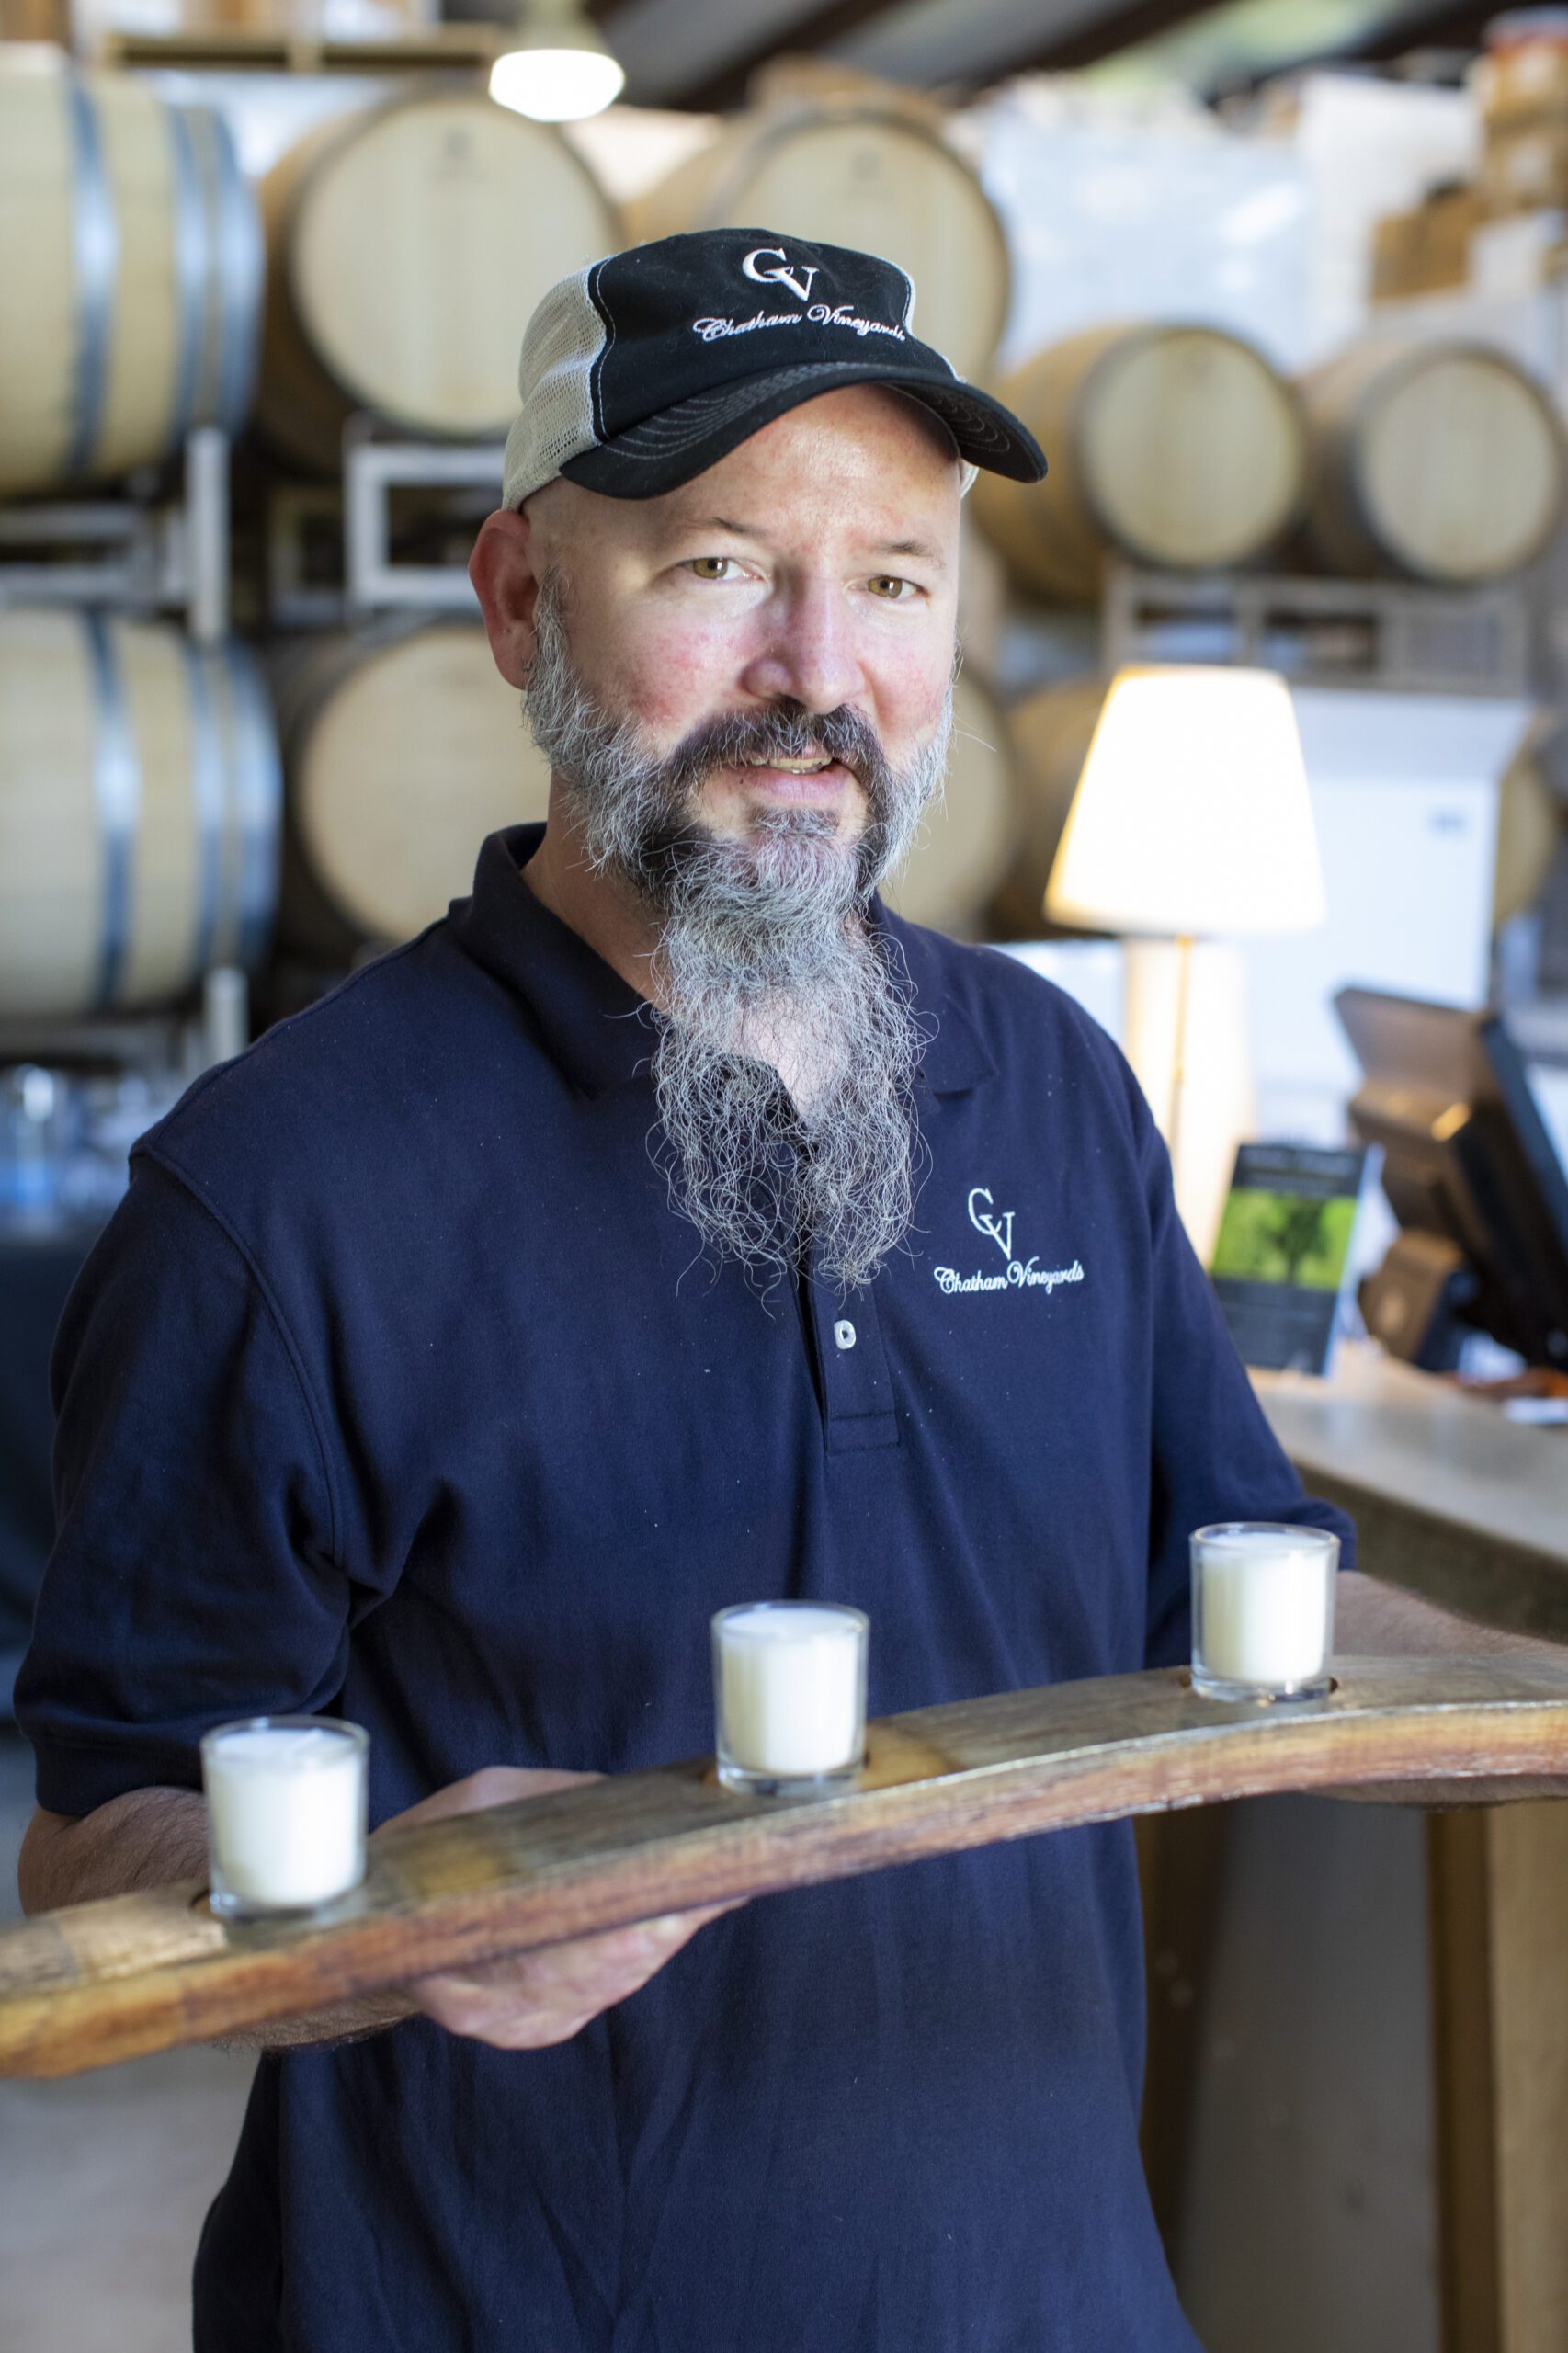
(785, 730)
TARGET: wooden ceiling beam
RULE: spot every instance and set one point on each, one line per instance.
(819, 27)
(1446, 23)
(1441, 27)
(1102, 37)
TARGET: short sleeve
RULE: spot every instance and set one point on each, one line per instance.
(1215, 1456)
(192, 1578)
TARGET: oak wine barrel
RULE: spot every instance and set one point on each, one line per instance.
(1438, 461)
(875, 175)
(1171, 446)
(402, 751)
(967, 843)
(130, 272)
(139, 813)
(1051, 732)
(407, 244)
(1530, 821)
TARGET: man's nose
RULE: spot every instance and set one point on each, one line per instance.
(809, 653)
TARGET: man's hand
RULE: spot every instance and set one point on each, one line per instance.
(526, 2001)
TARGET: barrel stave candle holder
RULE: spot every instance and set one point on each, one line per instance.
(99, 1982)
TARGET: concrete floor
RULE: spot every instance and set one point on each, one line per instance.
(104, 2178)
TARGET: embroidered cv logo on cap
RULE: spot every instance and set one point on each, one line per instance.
(782, 276)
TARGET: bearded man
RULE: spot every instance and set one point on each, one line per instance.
(668, 1226)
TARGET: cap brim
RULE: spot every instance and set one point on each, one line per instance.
(682, 442)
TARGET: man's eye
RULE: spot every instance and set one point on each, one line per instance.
(714, 567)
(888, 586)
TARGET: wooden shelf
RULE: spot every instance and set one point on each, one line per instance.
(442, 49)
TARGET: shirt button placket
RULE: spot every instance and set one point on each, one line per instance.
(858, 1402)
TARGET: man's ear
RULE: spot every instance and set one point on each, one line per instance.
(502, 569)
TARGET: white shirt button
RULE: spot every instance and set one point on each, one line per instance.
(844, 1332)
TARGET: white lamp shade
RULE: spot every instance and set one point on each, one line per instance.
(561, 69)
(555, 85)
(1192, 817)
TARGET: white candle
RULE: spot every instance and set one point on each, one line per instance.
(285, 1811)
(790, 1682)
(1264, 1604)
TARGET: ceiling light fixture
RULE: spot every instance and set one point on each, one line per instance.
(561, 69)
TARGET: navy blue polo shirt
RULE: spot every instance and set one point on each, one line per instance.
(396, 1390)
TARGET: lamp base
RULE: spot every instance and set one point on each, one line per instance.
(1199, 1084)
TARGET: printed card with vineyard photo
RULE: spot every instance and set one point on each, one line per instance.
(1282, 1258)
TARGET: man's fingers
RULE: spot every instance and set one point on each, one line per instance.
(526, 2001)
(619, 1957)
(702, 1914)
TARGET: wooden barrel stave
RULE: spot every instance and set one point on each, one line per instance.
(38, 293)
(117, 1979)
(137, 406)
(221, 262)
(139, 813)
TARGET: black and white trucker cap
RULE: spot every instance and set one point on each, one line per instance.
(647, 367)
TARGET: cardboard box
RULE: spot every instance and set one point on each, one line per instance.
(1522, 80)
(1525, 168)
(1425, 251)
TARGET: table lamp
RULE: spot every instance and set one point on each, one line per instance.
(1191, 826)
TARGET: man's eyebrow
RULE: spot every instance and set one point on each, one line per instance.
(921, 549)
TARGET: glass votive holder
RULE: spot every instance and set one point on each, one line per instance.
(790, 1695)
(1263, 1611)
(285, 1811)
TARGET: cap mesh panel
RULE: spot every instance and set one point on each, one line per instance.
(565, 337)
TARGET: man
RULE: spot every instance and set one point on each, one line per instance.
(667, 1227)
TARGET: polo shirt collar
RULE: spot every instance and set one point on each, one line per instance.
(956, 1056)
(593, 1025)
(599, 1030)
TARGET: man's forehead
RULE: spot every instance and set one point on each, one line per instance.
(901, 458)
(861, 467)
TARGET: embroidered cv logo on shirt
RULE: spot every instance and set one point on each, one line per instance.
(1021, 1274)
(984, 1220)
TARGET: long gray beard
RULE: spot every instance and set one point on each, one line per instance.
(763, 956)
